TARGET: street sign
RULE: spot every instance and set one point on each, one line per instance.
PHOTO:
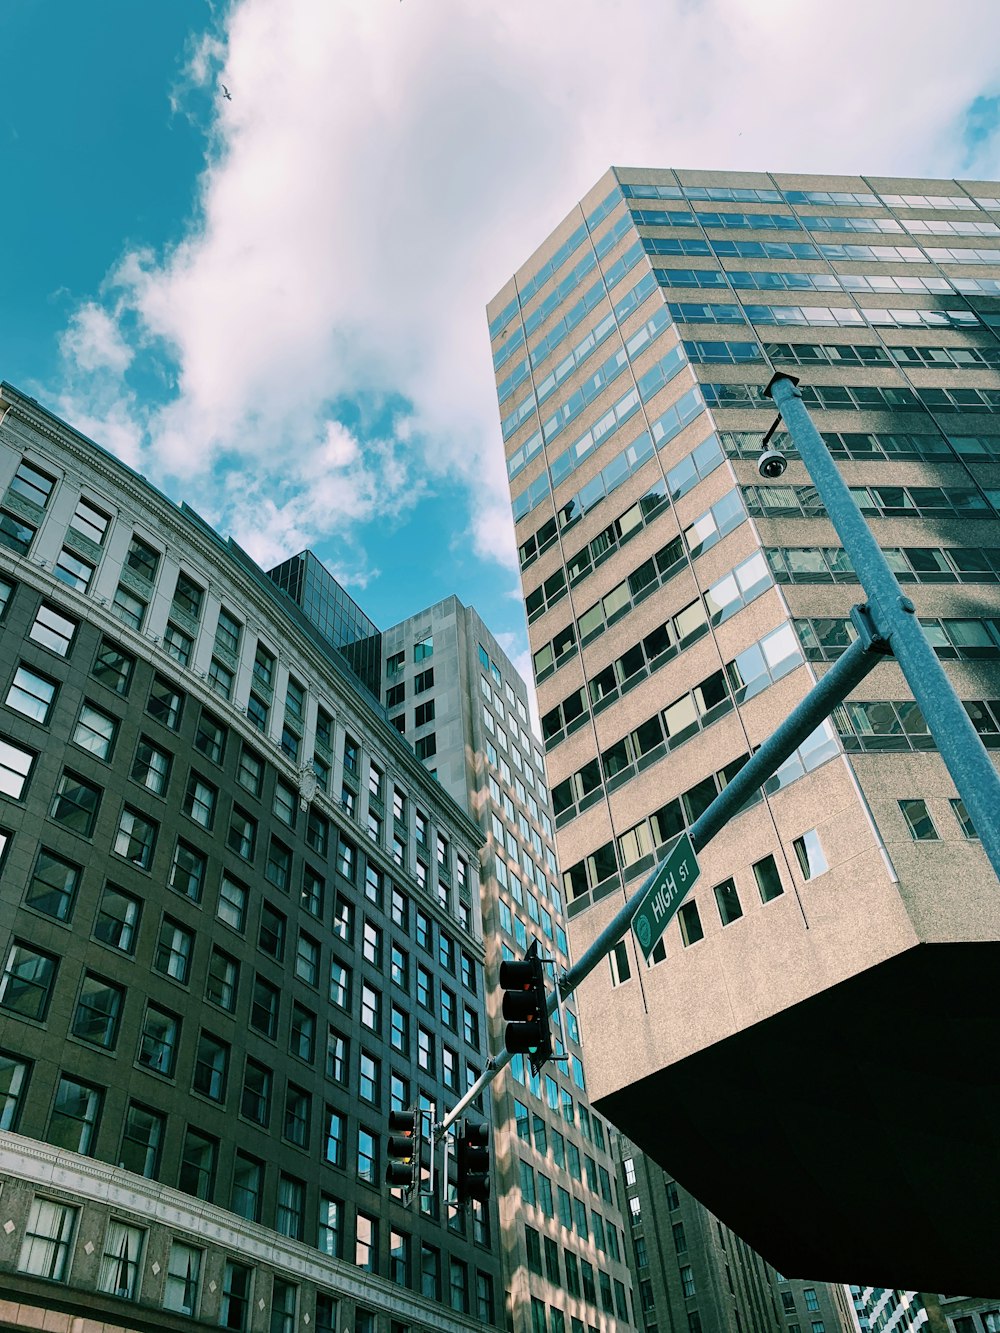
(667, 890)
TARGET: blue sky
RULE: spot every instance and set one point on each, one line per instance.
(274, 306)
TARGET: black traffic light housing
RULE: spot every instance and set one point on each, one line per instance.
(472, 1153)
(525, 1005)
(402, 1171)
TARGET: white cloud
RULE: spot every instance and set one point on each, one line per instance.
(383, 167)
(94, 342)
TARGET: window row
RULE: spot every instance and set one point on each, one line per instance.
(869, 447)
(721, 600)
(843, 354)
(824, 638)
(634, 850)
(757, 280)
(838, 316)
(752, 670)
(187, 1287)
(910, 564)
(900, 725)
(852, 397)
(877, 501)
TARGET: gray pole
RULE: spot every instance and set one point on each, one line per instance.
(895, 620)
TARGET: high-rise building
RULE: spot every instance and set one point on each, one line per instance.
(692, 1273)
(236, 930)
(334, 613)
(451, 690)
(844, 925)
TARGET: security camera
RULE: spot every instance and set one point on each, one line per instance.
(771, 464)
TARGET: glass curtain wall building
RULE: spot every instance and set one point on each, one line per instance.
(454, 693)
(334, 613)
(679, 606)
(227, 886)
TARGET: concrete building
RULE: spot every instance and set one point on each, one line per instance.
(236, 913)
(453, 692)
(844, 926)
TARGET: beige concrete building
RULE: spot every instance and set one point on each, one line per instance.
(451, 689)
(840, 936)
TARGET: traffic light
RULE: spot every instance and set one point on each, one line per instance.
(472, 1151)
(525, 1005)
(403, 1168)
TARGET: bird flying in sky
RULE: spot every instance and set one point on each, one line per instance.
(226, 93)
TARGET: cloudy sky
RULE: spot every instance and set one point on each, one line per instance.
(273, 306)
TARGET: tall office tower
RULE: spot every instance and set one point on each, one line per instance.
(219, 914)
(692, 1272)
(878, 1310)
(844, 926)
(454, 693)
(334, 613)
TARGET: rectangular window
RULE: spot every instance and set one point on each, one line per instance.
(290, 1210)
(237, 1282)
(53, 885)
(53, 630)
(121, 1260)
(33, 484)
(129, 609)
(73, 571)
(74, 803)
(177, 644)
(768, 879)
(211, 1067)
(210, 738)
(31, 695)
(15, 534)
(165, 703)
(135, 838)
(690, 923)
(811, 858)
(968, 831)
(151, 767)
(223, 980)
(187, 871)
(255, 1100)
(264, 1007)
(728, 902)
(181, 1285)
(366, 1243)
(114, 668)
(159, 1041)
(330, 1231)
(232, 907)
(248, 1186)
(142, 1140)
(98, 1010)
(199, 1158)
(75, 1113)
(27, 981)
(284, 1304)
(48, 1240)
(141, 558)
(117, 919)
(95, 731)
(13, 1084)
(918, 820)
(92, 524)
(188, 597)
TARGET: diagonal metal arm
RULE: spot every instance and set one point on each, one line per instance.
(848, 671)
(896, 620)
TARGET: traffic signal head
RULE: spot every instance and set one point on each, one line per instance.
(472, 1151)
(525, 1005)
(403, 1151)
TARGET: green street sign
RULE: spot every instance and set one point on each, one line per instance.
(667, 889)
